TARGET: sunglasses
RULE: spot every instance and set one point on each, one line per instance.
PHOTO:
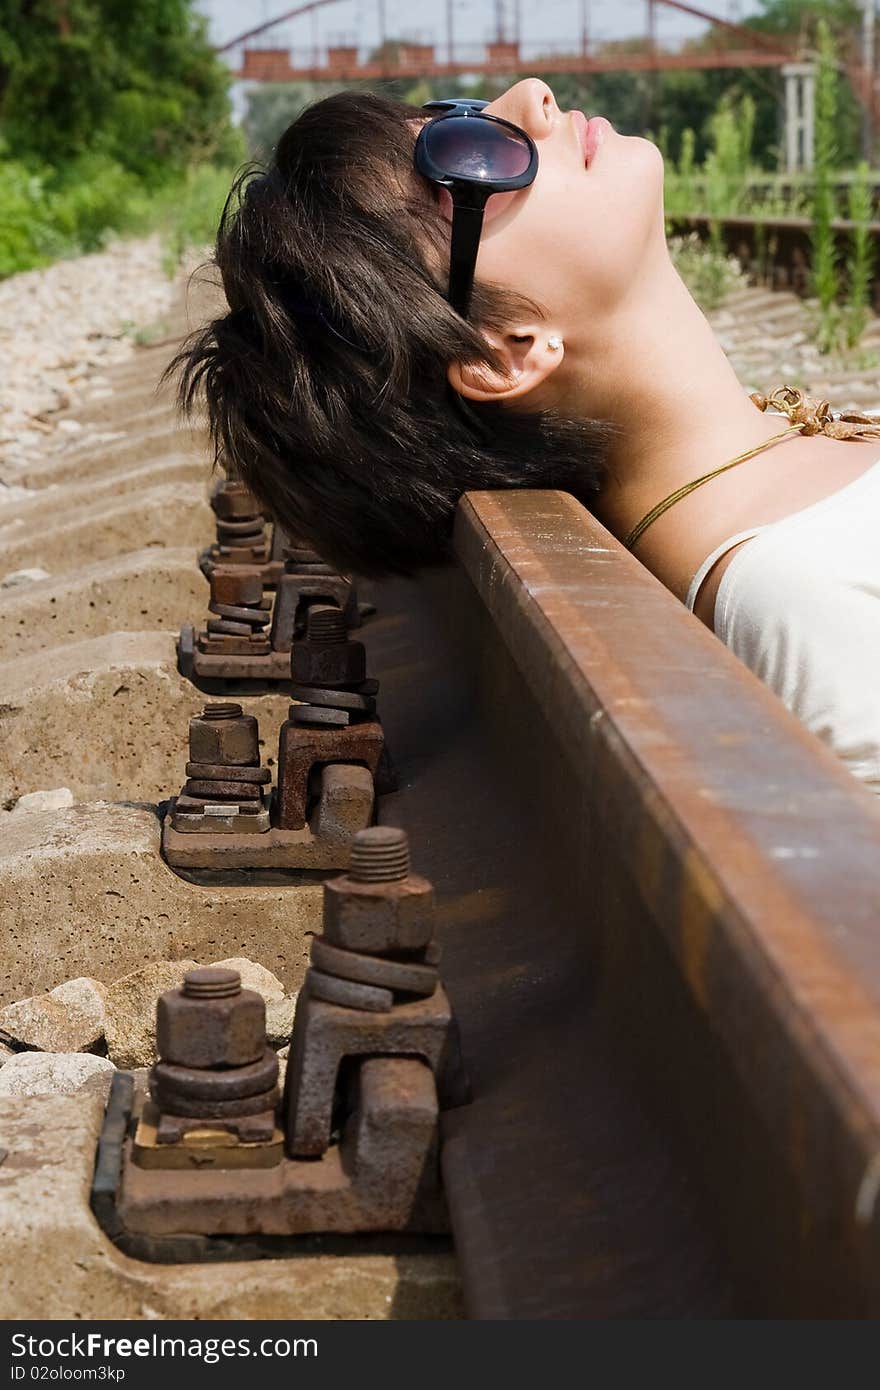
(473, 155)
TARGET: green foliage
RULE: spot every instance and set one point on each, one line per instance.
(138, 83)
(28, 232)
(802, 17)
(271, 108)
(726, 167)
(860, 258)
(114, 119)
(721, 185)
(188, 213)
(44, 217)
(685, 170)
(709, 274)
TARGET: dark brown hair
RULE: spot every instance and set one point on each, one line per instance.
(326, 383)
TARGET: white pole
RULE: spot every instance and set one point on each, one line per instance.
(868, 16)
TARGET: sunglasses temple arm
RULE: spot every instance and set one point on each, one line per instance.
(467, 224)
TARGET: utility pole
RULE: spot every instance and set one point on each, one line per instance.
(499, 21)
(868, 95)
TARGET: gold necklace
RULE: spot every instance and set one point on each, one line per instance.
(807, 416)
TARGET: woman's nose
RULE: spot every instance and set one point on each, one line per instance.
(530, 104)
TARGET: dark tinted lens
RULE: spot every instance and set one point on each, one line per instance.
(477, 149)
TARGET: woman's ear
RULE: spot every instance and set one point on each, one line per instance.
(528, 358)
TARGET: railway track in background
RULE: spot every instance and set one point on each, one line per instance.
(659, 903)
(776, 251)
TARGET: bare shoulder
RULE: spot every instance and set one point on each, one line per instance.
(816, 469)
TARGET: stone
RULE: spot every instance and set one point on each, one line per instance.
(17, 577)
(85, 1000)
(118, 711)
(279, 1019)
(144, 589)
(70, 1018)
(55, 800)
(5, 1053)
(130, 1025)
(55, 1074)
(85, 892)
(165, 514)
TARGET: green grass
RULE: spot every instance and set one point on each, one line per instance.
(46, 215)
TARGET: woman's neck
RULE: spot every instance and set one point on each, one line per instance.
(661, 376)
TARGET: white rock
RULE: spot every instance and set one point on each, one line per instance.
(279, 1019)
(5, 1053)
(70, 1018)
(12, 492)
(59, 326)
(54, 1073)
(55, 800)
(22, 577)
(85, 999)
(130, 1017)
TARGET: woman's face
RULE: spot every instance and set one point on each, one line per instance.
(575, 239)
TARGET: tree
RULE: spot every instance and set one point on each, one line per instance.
(137, 82)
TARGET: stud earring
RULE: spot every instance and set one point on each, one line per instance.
(554, 343)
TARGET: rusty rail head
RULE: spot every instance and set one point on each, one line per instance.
(753, 851)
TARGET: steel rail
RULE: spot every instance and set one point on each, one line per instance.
(661, 906)
(778, 250)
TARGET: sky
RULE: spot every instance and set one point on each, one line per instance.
(558, 21)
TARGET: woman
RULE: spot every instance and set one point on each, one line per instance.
(359, 402)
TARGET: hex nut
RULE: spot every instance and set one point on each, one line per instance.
(224, 1032)
(234, 502)
(224, 740)
(236, 584)
(338, 663)
(378, 917)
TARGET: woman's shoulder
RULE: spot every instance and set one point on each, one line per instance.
(818, 563)
(829, 524)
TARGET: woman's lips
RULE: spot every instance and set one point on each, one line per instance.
(580, 124)
(595, 131)
(590, 133)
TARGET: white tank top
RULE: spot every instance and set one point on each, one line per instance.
(800, 605)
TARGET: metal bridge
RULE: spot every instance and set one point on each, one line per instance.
(264, 54)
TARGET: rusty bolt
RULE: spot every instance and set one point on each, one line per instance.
(222, 733)
(327, 657)
(239, 585)
(211, 1021)
(233, 501)
(379, 905)
(326, 624)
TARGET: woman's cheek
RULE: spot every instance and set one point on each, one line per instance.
(497, 204)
